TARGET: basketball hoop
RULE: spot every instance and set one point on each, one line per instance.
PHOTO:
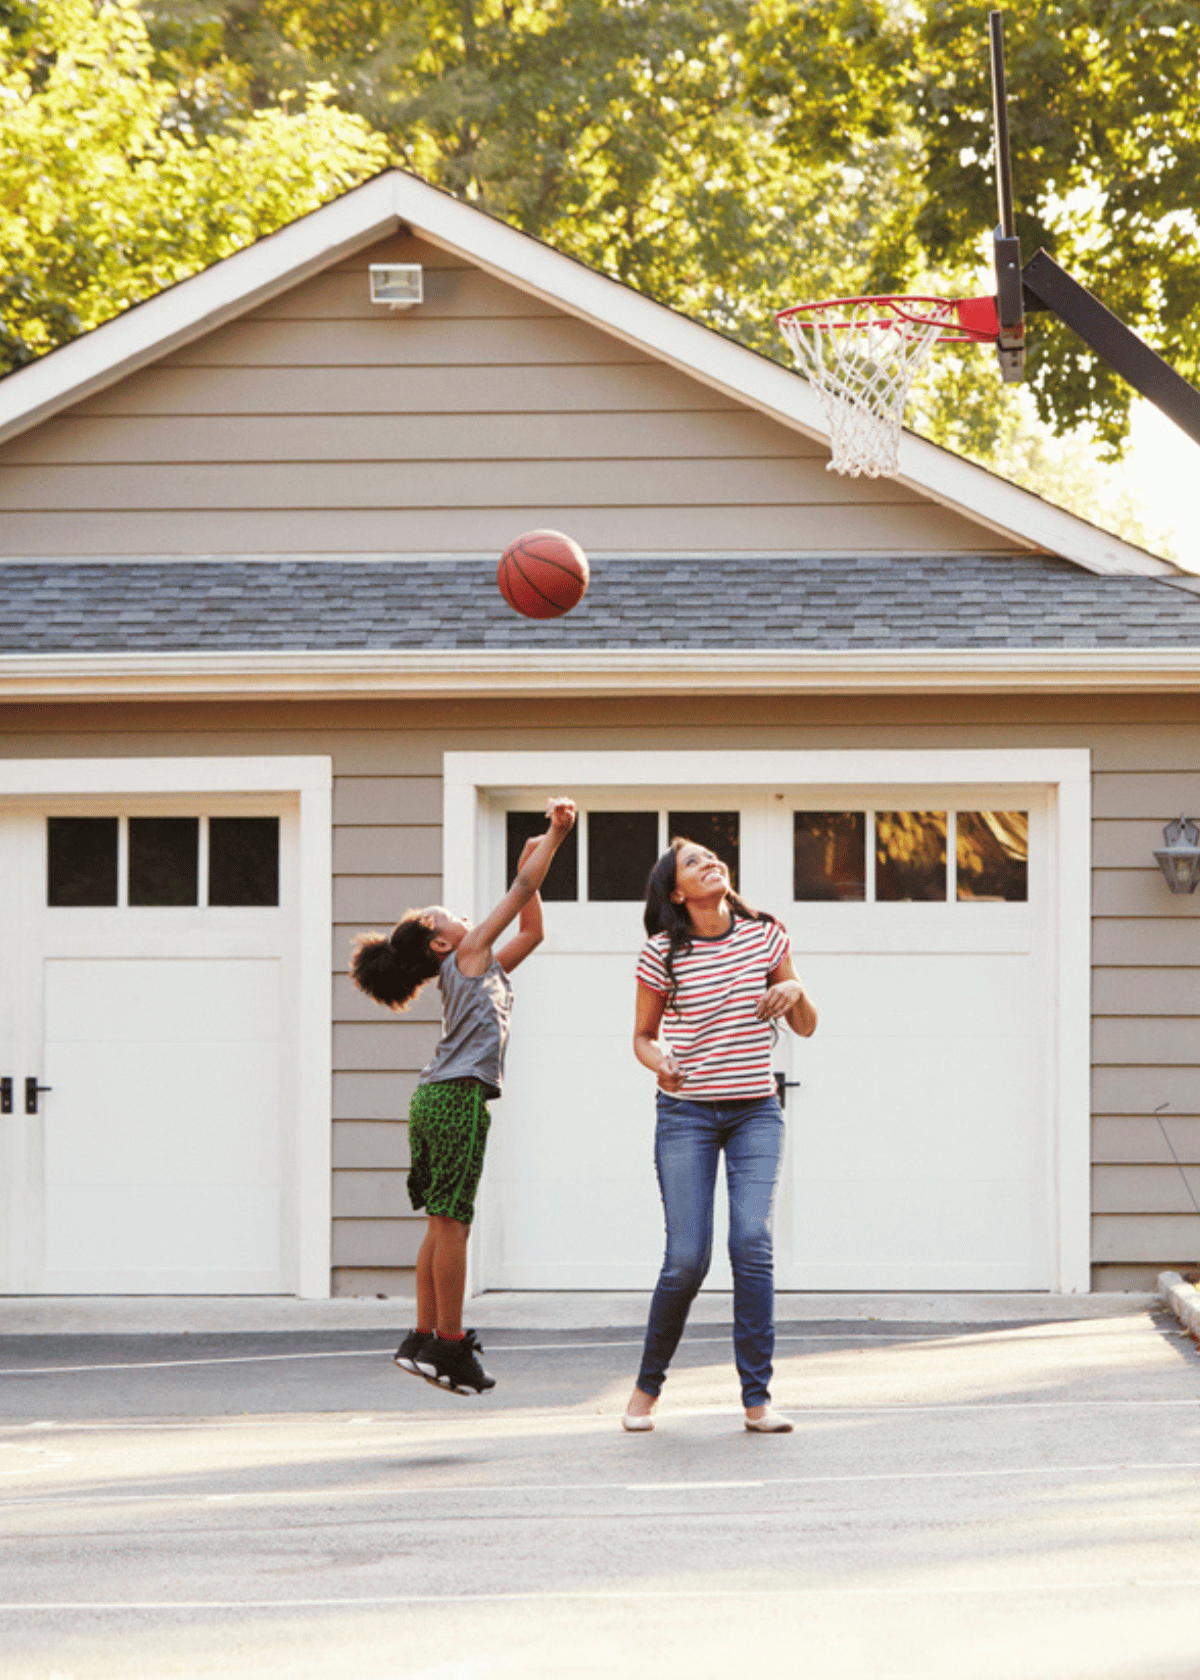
(862, 354)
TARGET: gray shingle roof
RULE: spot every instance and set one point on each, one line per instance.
(811, 601)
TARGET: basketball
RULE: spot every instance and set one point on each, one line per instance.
(543, 574)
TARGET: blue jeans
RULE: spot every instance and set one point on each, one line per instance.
(688, 1139)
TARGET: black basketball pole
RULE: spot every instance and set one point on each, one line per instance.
(1010, 296)
(1048, 286)
(1004, 198)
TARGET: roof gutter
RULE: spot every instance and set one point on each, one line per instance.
(515, 674)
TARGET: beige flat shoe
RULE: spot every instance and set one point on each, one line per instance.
(638, 1423)
(770, 1423)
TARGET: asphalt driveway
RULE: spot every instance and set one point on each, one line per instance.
(1010, 1499)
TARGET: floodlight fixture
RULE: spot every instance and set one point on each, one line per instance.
(399, 285)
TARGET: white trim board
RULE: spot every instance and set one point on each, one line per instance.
(349, 674)
(310, 778)
(196, 306)
(1066, 772)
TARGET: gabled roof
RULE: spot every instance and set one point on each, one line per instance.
(396, 199)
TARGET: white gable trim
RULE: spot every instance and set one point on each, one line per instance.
(196, 306)
(512, 673)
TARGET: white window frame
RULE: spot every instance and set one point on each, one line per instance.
(472, 778)
(310, 781)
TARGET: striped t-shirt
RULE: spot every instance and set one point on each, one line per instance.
(723, 1049)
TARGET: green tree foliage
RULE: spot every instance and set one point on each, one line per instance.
(105, 199)
(1104, 111)
(626, 134)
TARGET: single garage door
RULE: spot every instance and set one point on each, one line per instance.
(144, 1009)
(919, 1139)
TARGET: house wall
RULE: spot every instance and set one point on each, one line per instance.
(320, 423)
(387, 855)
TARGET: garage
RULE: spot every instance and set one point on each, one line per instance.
(932, 1138)
(151, 973)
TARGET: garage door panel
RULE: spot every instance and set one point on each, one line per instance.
(871, 994)
(140, 1000)
(170, 1114)
(162, 1122)
(910, 1225)
(135, 1230)
(918, 1151)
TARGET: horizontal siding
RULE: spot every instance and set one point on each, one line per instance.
(416, 485)
(301, 427)
(1157, 1041)
(1153, 1238)
(388, 801)
(451, 293)
(1127, 843)
(1141, 1189)
(1154, 795)
(1140, 1139)
(196, 439)
(390, 1243)
(1140, 892)
(609, 388)
(364, 1145)
(409, 339)
(858, 528)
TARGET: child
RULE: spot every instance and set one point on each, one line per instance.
(448, 1119)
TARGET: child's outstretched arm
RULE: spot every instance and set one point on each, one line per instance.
(531, 929)
(474, 955)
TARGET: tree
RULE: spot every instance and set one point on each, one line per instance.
(1104, 111)
(106, 200)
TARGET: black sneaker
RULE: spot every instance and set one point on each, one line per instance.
(453, 1365)
(405, 1355)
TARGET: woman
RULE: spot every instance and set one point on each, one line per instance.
(718, 975)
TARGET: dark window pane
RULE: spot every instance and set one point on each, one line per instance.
(622, 850)
(562, 883)
(829, 856)
(81, 860)
(163, 855)
(910, 855)
(243, 860)
(718, 830)
(992, 855)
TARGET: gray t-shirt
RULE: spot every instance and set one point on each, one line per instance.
(475, 1015)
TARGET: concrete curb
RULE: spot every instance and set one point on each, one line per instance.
(132, 1315)
(1182, 1299)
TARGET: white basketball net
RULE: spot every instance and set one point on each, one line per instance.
(862, 355)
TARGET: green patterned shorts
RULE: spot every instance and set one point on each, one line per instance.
(447, 1131)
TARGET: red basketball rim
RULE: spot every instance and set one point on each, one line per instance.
(976, 320)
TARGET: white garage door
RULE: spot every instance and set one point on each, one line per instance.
(145, 992)
(919, 1148)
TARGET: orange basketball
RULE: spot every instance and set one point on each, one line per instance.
(543, 574)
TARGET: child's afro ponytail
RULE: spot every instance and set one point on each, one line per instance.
(392, 967)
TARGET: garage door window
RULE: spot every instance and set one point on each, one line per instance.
(914, 857)
(81, 867)
(197, 862)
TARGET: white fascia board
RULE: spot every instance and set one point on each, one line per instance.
(512, 673)
(147, 331)
(696, 350)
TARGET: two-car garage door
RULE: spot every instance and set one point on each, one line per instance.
(920, 1150)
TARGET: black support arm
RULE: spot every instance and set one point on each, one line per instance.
(1047, 286)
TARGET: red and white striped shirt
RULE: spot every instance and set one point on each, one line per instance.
(723, 1049)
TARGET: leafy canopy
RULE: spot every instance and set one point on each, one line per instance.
(106, 198)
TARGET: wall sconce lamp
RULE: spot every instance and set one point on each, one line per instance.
(1179, 858)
